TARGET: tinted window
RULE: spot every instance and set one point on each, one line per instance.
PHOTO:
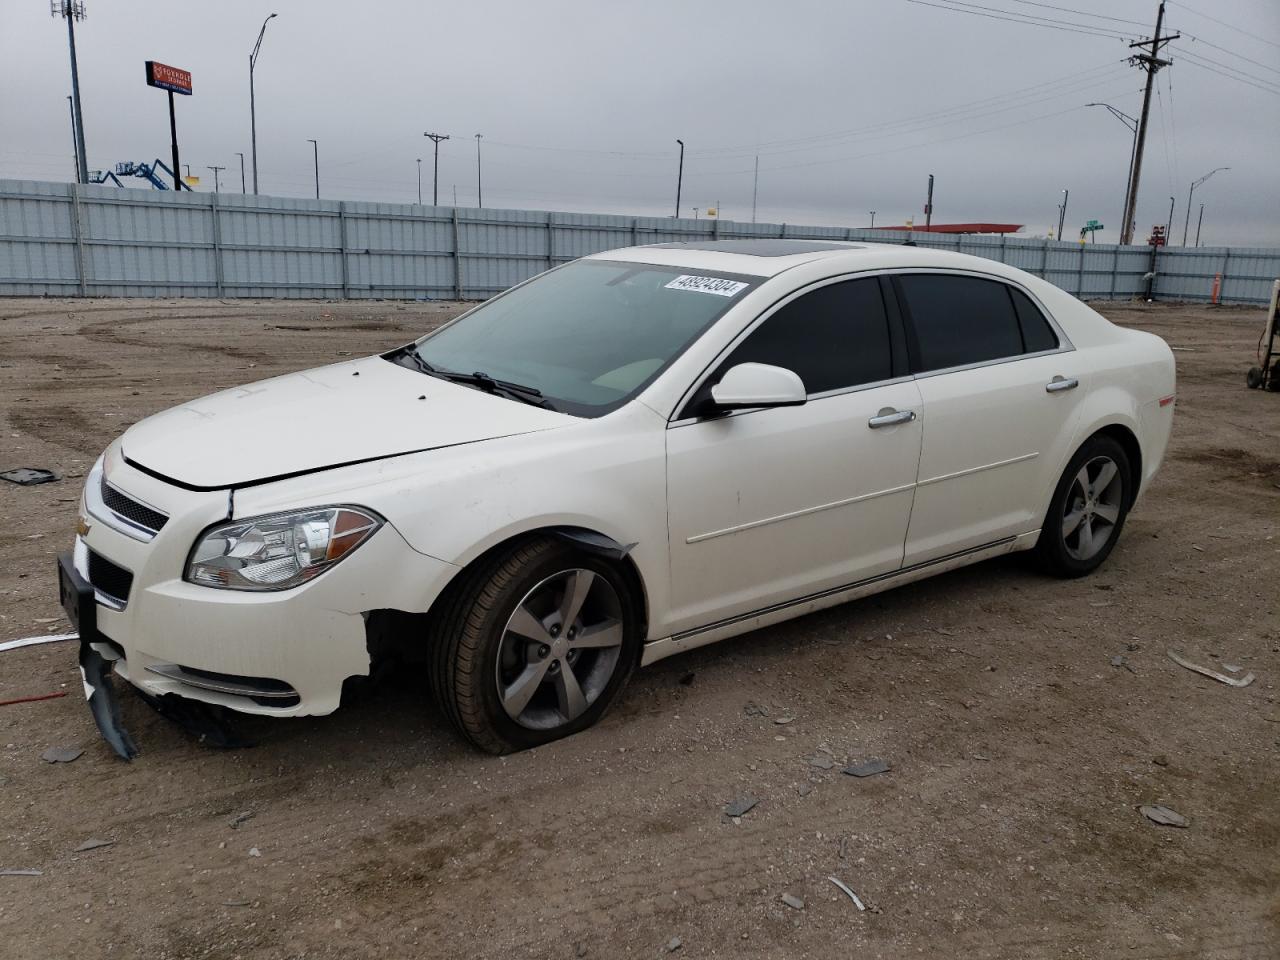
(959, 320)
(836, 336)
(1036, 333)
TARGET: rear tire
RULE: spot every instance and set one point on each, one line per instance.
(534, 644)
(1254, 378)
(1088, 510)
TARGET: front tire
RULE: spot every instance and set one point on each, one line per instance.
(1088, 510)
(534, 644)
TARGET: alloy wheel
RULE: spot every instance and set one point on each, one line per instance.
(559, 649)
(1092, 508)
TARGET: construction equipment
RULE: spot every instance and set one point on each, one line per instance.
(148, 171)
(1266, 376)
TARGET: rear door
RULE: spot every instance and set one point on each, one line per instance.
(769, 505)
(1001, 389)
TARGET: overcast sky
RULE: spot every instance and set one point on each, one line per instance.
(850, 105)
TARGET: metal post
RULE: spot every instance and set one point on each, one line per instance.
(755, 183)
(315, 148)
(1199, 221)
(479, 188)
(1062, 211)
(216, 171)
(457, 258)
(435, 138)
(253, 115)
(873, 220)
(342, 239)
(77, 230)
(928, 207)
(1168, 230)
(242, 189)
(419, 181)
(173, 137)
(75, 146)
(551, 240)
(217, 234)
(679, 177)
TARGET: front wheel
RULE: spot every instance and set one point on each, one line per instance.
(534, 645)
(1088, 510)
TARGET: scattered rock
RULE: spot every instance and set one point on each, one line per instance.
(687, 679)
(795, 903)
(804, 789)
(235, 903)
(93, 843)
(580, 950)
(821, 761)
(255, 852)
(753, 709)
(1119, 661)
(674, 944)
(61, 754)
(1163, 815)
(782, 721)
(1160, 761)
(240, 818)
(868, 768)
(740, 806)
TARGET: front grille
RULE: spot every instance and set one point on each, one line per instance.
(131, 509)
(109, 578)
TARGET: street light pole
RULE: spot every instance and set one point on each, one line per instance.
(315, 149)
(419, 181)
(1168, 230)
(1062, 211)
(1194, 184)
(1199, 221)
(253, 114)
(479, 190)
(216, 171)
(435, 138)
(75, 147)
(680, 180)
(241, 156)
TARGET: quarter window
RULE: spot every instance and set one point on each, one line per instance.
(1037, 335)
(835, 337)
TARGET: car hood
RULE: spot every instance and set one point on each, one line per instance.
(316, 419)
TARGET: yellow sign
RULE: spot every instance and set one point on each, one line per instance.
(711, 212)
(191, 181)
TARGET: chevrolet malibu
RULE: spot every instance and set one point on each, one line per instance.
(629, 456)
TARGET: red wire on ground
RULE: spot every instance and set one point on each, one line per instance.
(43, 696)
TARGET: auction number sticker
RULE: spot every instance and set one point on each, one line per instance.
(717, 285)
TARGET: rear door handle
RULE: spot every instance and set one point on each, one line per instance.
(1058, 384)
(889, 416)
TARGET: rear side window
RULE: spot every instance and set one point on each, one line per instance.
(1037, 335)
(835, 337)
(959, 320)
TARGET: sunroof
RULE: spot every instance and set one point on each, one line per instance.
(765, 247)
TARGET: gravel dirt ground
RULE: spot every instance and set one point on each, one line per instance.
(1008, 825)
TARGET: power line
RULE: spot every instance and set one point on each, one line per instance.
(1223, 23)
(1195, 62)
(1085, 13)
(1226, 66)
(1027, 19)
(1233, 53)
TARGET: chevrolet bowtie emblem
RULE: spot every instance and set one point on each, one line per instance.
(82, 526)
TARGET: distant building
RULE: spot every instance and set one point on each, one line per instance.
(1000, 228)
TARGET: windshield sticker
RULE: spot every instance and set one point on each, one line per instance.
(717, 285)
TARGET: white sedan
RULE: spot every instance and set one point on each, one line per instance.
(632, 455)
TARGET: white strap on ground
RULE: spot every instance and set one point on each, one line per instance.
(32, 641)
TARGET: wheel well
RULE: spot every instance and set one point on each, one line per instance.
(1132, 449)
(581, 537)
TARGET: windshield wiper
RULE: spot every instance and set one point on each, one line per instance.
(480, 380)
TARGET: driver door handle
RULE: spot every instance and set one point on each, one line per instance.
(1058, 384)
(888, 417)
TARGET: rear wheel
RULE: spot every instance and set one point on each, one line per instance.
(534, 645)
(1088, 509)
(1254, 378)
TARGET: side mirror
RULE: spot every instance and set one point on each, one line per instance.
(758, 385)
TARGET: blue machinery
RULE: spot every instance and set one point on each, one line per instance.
(148, 171)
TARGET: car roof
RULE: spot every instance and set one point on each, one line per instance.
(768, 257)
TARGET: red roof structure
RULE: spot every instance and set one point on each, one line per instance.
(959, 228)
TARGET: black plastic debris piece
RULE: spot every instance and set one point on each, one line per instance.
(740, 806)
(29, 476)
(868, 769)
(100, 691)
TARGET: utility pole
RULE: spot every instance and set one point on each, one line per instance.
(755, 183)
(1062, 211)
(1168, 230)
(479, 191)
(680, 181)
(1195, 184)
(315, 149)
(928, 207)
(241, 156)
(1132, 124)
(75, 148)
(253, 115)
(1199, 220)
(435, 138)
(1149, 60)
(873, 220)
(216, 171)
(71, 11)
(419, 181)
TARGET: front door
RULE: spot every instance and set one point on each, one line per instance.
(770, 505)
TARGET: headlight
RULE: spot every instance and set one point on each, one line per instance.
(279, 551)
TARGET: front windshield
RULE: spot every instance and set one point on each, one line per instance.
(589, 335)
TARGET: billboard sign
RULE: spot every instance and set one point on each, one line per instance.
(168, 78)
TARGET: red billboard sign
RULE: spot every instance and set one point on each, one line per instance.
(168, 78)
